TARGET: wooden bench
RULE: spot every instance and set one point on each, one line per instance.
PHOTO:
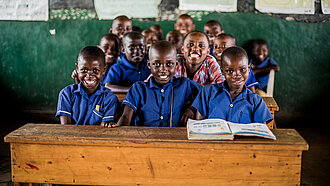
(272, 106)
(92, 155)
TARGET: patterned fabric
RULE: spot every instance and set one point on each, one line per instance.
(208, 73)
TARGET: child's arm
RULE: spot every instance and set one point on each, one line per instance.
(253, 89)
(187, 112)
(65, 120)
(266, 70)
(117, 88)
(126, 118)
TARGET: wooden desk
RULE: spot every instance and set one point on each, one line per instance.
(272, 106)
(92, 155)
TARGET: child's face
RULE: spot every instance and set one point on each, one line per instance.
(90, 71)
(175, 39)
(134, 49)
(121, 27)
(212, 30)
(151, 38)
(236, 71)
(195, 48)
(221, 44)
(260, 52)
(162, 65)
(184, 25)
(110, 49)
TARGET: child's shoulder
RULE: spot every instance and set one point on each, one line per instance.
(70, 88)
(252, 96)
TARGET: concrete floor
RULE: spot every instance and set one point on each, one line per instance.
(315, 162)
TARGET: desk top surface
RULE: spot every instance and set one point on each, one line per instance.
(144, 136)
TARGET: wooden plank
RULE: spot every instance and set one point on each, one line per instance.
(97, 165)
(271, 103)
(145, 136)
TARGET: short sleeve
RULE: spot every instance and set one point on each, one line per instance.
(110, 107)
(261, 113)
(201, 103)
(251, 81)
(133, 96)
(64, 103)
(272, 62)
(214, 71)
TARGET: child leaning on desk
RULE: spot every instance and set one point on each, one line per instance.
(89, 102)
(231, 100)
(160, 101)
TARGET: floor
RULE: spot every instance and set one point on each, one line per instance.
(315, 162)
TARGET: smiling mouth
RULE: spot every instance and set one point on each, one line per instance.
(90, 83)
(219, 54)
(238, 82)
(194, 55)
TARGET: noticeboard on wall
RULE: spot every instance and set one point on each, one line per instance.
(285, 6)
(24, 10)
(209, 5)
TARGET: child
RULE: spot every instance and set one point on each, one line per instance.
(120, 26)
(89, 102)
(132, 67)
(158, 30)
(212, 29)
(151, 37)
(231, 100)
(224, 41)
(196, 64)
(176, 38)
(159, 101)
(184, 24)
(110, 45)
(261, 64)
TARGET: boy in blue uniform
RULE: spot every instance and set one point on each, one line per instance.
(89, 102)
(161, 100)
(231, 100)
(221, 43)
(133, 65)
(261, 64)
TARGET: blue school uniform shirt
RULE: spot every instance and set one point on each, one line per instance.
(125, 74)
(251, 81)
(104, 77)
(152, 104)
(214, 101)
(74, 103)
(263, 79)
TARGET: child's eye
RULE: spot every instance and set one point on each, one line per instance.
(169, 64)
(96, 71)
(243, 70)
(229, 71)
(83, 70)
(201, 45)
(190, 44)
(156, 64)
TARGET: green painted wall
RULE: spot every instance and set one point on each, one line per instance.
(36, 65)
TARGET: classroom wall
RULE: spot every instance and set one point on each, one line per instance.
(36, 65)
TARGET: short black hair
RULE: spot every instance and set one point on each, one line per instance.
(234, 51)
(197, 31)
(214, 22)
(185, 16)
(162, 45)
(111, 36)
(226, 35)
(133, 35)
(259, 42)
(92, 51)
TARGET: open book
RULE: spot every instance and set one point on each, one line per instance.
(212, 129)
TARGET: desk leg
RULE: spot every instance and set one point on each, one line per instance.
(271, 124)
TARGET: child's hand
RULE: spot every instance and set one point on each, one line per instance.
(188, 113)
(108, 124)
(74, 76)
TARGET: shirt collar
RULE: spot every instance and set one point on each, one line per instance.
(153, 84)
(98, 91)
(126, 63)
(240, 96)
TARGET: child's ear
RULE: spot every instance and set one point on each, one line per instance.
(110, 30)
(148, 64)
(222, 31)
(193, 26)
(76, 65)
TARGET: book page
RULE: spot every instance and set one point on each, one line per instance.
(208, 126)
(252, 129)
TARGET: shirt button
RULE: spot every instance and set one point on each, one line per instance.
(161, 117)
(231, 105)
(162, 90)
(139, 72)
